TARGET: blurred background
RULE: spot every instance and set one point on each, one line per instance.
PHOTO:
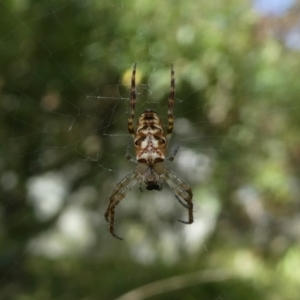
(64, 97)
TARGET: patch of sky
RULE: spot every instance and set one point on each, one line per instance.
(273, 7)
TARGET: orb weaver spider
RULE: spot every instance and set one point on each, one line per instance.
(150, 142)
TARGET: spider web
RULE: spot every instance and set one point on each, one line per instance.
(64, 109)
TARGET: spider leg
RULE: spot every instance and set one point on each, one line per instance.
(171, 104)
(117, 195)
(132, 102)
(182, 193)
(128, 155)
(171, 158)
(180, 201)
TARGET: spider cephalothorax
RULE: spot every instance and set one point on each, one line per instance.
(150, 142)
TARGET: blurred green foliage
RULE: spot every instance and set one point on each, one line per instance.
(64, 76)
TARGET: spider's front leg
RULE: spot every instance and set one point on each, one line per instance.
(182, 192)
(117, 195)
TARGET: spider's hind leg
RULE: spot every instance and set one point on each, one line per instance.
(128, 155)
(174, 152)
(132, 102)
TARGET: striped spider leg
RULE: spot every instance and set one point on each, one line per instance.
(150, 142)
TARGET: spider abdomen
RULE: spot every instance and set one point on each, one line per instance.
(150, 141)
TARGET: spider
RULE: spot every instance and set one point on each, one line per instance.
(150, 142)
